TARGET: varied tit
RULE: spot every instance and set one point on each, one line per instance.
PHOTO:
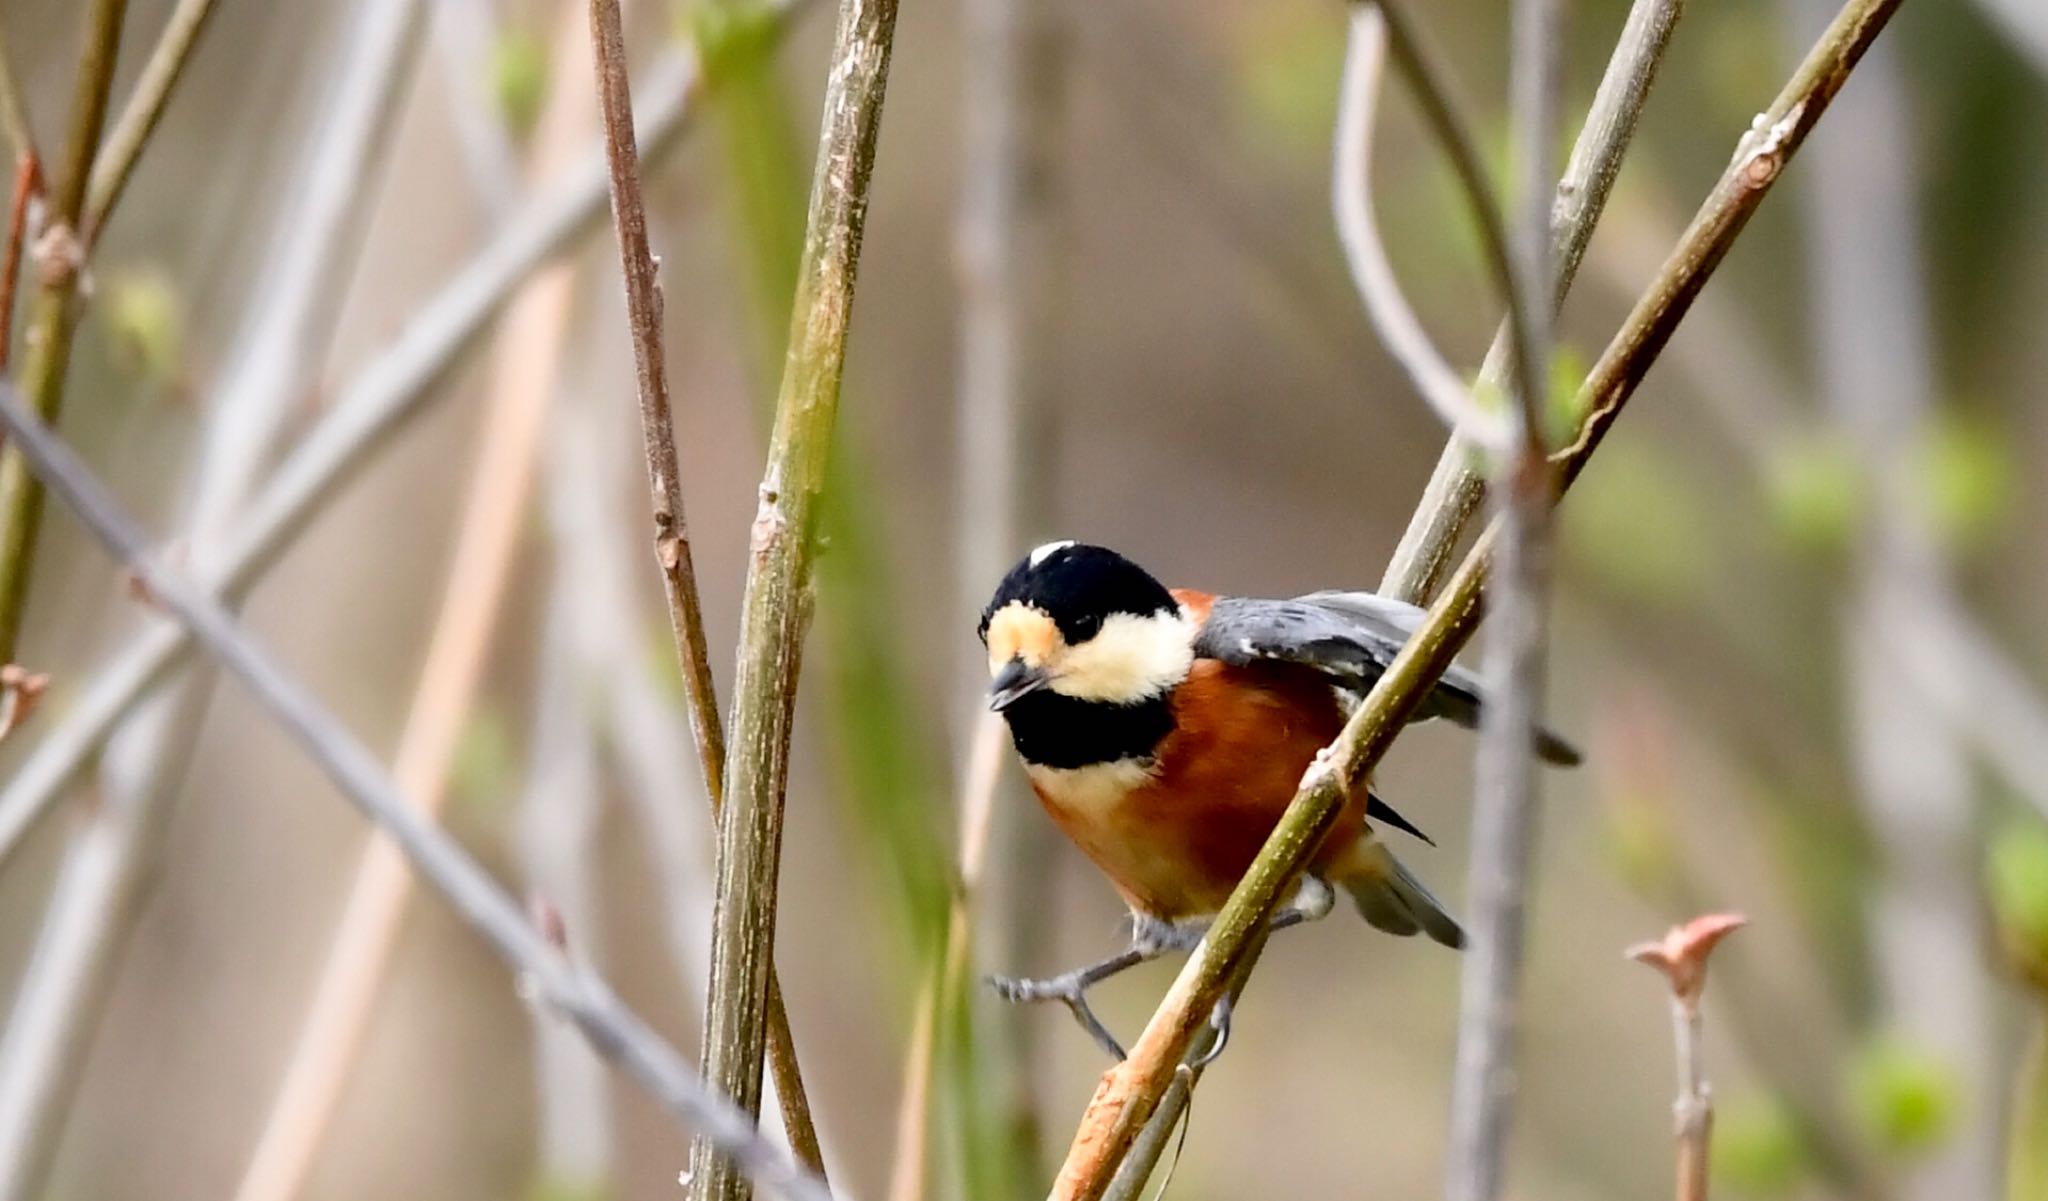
(1166, 730)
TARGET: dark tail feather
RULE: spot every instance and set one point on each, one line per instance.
(1459, 701)
(1379, 811)
(1390, 897)
(1552, 749)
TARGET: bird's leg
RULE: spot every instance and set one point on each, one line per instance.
(1312, 902)
(1152, 937)
(1071, 988)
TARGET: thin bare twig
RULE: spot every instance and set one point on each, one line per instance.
(1129, 1092)
(1372, 272)
(545, 975)
(1455, 489)
(60, 265)
(125, 141)
(1682, 957)
(479, 570)
(776, 608)
(1504, 813)
(559, 814)
(100, 891)
(389, 390)
(665, 486)
(1430, 81)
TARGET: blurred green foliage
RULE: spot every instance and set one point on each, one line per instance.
(1816, 490)
(145, 322)
(1639, 527)
(1906, 1100)
(1969, 478)
(1758, 1149)
(2017, 878)
(1285, 63)
(520, 72)
(488, 762)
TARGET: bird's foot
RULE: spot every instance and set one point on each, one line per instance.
(1219, 1021)
(1069, 989)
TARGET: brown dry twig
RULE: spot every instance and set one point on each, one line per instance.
(671, 530)
(1682, 956)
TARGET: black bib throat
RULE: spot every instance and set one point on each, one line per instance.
(1051, 730)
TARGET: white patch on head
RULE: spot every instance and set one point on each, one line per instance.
(1130, 659)
(1094, 791)
(1041, 554)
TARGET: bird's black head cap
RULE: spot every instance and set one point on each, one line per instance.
(1078, 586)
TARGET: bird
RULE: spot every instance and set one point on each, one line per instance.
(1164, 731)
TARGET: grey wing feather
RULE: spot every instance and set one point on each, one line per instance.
(1349, 636)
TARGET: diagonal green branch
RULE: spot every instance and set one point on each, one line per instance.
(776, 606)
(1129, 1093)
(1455, 489)
(124, 142)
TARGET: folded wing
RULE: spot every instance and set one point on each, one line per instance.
(1350, 637)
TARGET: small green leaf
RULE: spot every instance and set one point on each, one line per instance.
(1906, 1100)
(1968, 478)
(147, 325)
(520, 70)
(1816, 491)
(1758, 1149)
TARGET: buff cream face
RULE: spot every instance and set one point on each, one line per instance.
(1131, 658)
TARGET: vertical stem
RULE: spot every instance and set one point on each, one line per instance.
(1504, 808)
(1693, 1112)
(776, 605)
(665, 485)
(1454, 491)
(55, 314)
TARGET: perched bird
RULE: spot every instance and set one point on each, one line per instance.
(1166, 730)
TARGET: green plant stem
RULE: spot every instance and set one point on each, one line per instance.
(14, 124)
(783, 547)
(2026, 1171)
(124, 143)
(1455, 489)
(881, 770)
(54, 315)
(671, 530)
(1130, 1092)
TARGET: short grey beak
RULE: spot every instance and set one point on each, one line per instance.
(1014, 681)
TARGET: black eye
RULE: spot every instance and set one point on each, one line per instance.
(1085, 627)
